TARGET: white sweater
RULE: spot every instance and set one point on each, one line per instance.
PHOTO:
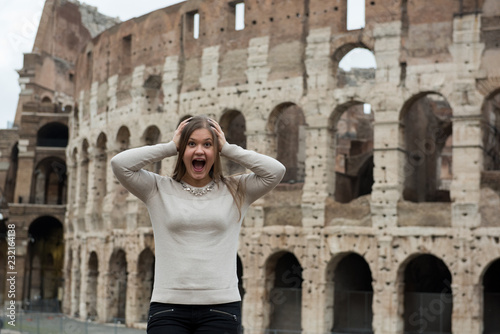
(196, 237)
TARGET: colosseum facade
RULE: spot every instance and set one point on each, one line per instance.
(387, 220)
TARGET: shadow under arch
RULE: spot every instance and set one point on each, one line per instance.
(286, 128)
(350, 294)
(233, 124)
(283, 286)
(425, 134)
(351, 142)
(424, 289)
(44, 265)
(491, 297)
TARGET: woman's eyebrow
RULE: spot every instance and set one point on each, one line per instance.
(206, 139)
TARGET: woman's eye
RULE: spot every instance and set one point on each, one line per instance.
(208, 144)
(191, 144)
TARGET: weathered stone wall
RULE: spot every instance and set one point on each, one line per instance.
(133, 83)
(287, 56)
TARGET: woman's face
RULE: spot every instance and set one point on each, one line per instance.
(199, 158)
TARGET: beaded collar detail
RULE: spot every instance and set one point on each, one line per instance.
(198, 191)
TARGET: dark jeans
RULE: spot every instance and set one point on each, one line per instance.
(194, 319)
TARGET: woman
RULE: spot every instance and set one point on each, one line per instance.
(196, 216)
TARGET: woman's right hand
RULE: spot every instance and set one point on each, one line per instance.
(178, 131)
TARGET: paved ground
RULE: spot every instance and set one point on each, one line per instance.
(49, 323)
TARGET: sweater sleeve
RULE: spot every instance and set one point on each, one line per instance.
(127, 167)
(266, 171)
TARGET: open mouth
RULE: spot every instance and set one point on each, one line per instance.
(198, 165)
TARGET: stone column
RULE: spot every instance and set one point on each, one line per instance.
(24, 172)
(83, 279)
(313, 291)
(75, 281)
(91, 207)
(254, 282)
(387, 305)
(320, 180)
(467, 50)
(111, 188)
(131, 311)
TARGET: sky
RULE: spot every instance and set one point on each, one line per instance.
(19, 21)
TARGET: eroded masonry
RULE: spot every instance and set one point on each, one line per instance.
(387, 220)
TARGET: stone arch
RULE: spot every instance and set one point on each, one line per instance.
(52, 134)
(287, 126)
(49, 182)
(46, 99)
(123, 139)
(117, 286)
(349, 282)
(491, 298)
(145, 279)
(491, 131)
(348, 278)
(283, 297)
(152, 136)
(351, 147)
(426, 129)
(346, 44)
(10, 180)
(92, 284)
(44, 264)
(353, 69)
(233, 124)
(424, 284)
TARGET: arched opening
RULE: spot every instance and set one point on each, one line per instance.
(145, 279)
(117, 286)
(92, 283)
(233, 124)
(356, 65)
(46, 100)
(491, 299)
(428, 300)
(44, 265)
(427, 133)
(152, 136)
(352, 144)
(287, 125)
(10, 180)
(52, 135)
(49, 182)
(353, 296)
(284, 284)
(491, 132)
(123, 139)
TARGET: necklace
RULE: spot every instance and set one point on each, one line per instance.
(198, 191)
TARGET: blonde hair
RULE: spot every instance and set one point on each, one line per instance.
(235, 186)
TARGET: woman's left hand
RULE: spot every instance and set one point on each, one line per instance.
(219, 132)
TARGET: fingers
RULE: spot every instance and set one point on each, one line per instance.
(219, 132)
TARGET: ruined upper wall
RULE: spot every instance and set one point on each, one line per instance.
(426, 30)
